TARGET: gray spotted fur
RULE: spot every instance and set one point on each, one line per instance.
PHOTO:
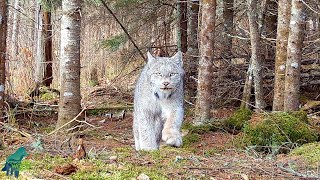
(158, 111)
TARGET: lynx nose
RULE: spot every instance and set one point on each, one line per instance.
(165, 83)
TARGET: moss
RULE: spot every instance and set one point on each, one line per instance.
(238, 119)
(302, 115)
(93, 83)
(309, 152)
(275, 129)
(190, 139)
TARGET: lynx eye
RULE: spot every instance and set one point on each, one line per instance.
(172, 74)
(158, 74)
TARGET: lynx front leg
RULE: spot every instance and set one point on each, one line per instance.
(171, 131)
(146, 133)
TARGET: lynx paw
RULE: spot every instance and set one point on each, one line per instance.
(172, 138)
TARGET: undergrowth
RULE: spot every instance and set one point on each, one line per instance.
(278, 129)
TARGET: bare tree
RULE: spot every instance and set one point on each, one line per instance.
(228, 27)
(47, 30)
(205, 80)
(70, 98)
(183, 25)
(3, 45)
(15, 28)
(39, 70)
(281, 53)
(191, 60)
(255, 56)
(294, 55)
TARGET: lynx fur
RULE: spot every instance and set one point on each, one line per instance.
(158, 103)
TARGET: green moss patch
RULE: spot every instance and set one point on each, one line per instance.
(276, 129)
(238, 119)
(309, 152)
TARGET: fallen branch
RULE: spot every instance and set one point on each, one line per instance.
(293, 172)
(74, 119)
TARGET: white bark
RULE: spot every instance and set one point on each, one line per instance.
(70, 98)
(39, 70)
(14, 37)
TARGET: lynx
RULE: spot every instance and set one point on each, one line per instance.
(158, 103)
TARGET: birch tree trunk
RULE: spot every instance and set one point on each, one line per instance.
(39, 70)
(192, 60)
(3, 45)
(70, 98)
(204, 101)
(255, 56)
(294, 53)
(281, 53)
(15, 27)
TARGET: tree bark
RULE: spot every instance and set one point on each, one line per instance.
(3, 45)
(228, 27)
(192, 57)
(255, 54)
(294, 52)
(281, 53)
(183, 26)
(39, 70)
(15, 28)
(205, 80)
(70, 98)
(47, 27)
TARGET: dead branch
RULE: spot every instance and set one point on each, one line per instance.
(291, 171)
(58, 129)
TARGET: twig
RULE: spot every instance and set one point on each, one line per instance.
(56, 130)
(291, 171)
(61, 176)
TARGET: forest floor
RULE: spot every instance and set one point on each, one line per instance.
(108, 143)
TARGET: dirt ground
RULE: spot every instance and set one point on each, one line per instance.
(108, 143)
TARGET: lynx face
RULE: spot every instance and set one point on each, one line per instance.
(166, 75)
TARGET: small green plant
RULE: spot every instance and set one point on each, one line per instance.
(276, 129)
(238, 119)
(115, 42)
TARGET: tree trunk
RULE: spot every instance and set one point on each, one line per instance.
(228, 27)
(15, 27)
(70, 98)
(205, 80)
(255, 56)
(294, 53)
(47, 27)
(247, 88)
(271, 29)
(281, 53)
(3, 45)
(191, 59)
(183, 26)
(39, 70)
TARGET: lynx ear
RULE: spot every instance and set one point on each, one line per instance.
(178, 58)
(150, 57)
